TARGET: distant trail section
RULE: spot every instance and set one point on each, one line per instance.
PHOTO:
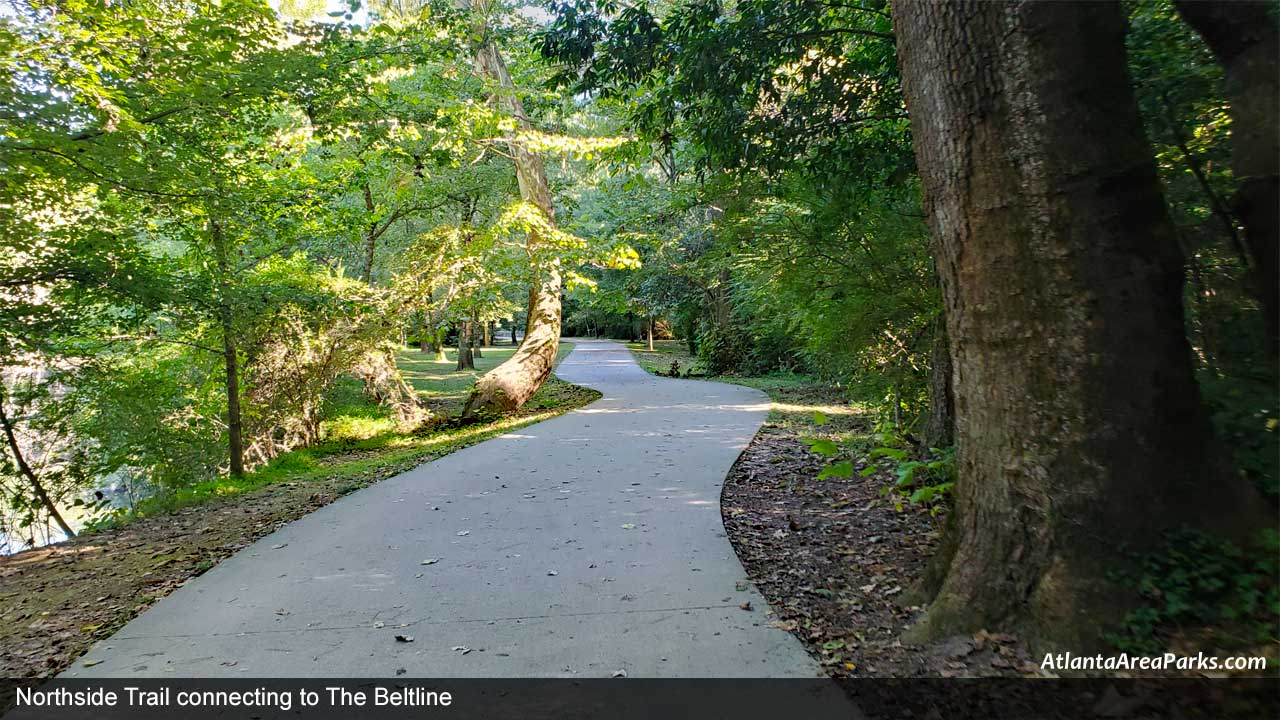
(589, 545)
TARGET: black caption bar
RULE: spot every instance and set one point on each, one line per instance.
(624, 699)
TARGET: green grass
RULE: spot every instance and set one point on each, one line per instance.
(795, 397)
(658, 360)
(363, 442)
(444, 388)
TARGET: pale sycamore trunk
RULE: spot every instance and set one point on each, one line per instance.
(511, 384)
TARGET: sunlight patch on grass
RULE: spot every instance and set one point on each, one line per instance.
(794, 397)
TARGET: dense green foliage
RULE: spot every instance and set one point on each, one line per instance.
(775, 186)
(223, 222)
(218, 215)
(1199, 581)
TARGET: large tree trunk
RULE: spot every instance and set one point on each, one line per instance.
(1079, 425)
(1245, 38)
(511, 384)
(230, 353)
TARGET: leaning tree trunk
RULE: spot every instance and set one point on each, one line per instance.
(1245, 38)
(511, 384)
(19, 459)
(1079, 424)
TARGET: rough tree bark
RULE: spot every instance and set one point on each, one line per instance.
(511, 384)
(1079, 425)
(230, 353)
(1245, 39)
(939, 429)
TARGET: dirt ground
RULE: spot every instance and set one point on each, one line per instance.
(839, 564)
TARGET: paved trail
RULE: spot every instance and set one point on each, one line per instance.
(579, 546)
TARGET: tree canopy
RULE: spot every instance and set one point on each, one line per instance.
(217, 216)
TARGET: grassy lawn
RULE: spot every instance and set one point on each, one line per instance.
(444, 388)
(795, 397)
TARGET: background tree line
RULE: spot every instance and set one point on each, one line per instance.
(217, 216)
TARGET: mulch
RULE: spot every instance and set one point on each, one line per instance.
(840, 565)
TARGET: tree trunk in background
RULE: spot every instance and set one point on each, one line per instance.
(650, 329)
(475, 337)
(1245, 39)
(431, 344)
(488, 334)
(230, 354)
(20, 460)
(939, 430)
(370, 237)
(1079, 425)
(466, 360)
(441, 356)
(511, 384)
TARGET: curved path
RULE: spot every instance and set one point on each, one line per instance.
(580, 546)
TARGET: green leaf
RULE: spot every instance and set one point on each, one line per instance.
(891, 453)
(824, 447)
(842, 469)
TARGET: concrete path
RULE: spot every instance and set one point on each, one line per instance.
(580, 546)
